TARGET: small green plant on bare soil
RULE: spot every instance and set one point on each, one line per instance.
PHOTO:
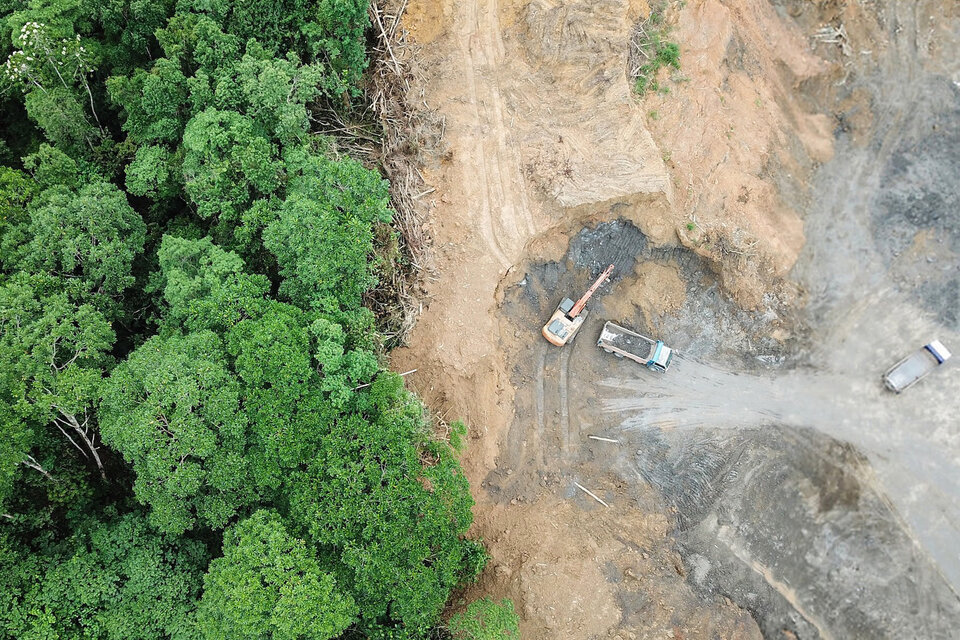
(651, 50)
(485, 619)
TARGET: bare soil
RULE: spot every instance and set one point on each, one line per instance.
(738, 507)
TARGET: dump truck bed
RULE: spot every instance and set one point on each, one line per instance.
(624, 343)
(632, 344)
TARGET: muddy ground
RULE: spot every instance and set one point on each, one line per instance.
(767, 485)
(750, 450)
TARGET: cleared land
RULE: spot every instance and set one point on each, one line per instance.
(789, 222)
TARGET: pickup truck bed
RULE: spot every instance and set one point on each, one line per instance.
(915, 366)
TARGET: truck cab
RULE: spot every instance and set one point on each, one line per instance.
(661, 358)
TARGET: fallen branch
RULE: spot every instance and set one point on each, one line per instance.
(834, 35)
(375, 10)
(604, 439)
(591, 494)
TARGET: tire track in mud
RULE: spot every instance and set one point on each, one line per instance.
(494, 37)
(546, 439)
(563, 386)
(551, 437)
(472, 60)
(728, 539)
(539, 408)
(502, 199)
(556, 408)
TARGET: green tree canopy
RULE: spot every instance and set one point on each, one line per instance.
(184, 259)
(272, 91)
(275, 23)
(128, 28)
(227, 163)
(118, 34)
(323, 237)
(16, 192)
(269, 585)
(154, 172)
(60, 115)
(52, 352)
(198, 42)
(52, 65)
(273, 359)
(396, 521)
(297, 369)
(51, 167)
(338, 38)
(207, 287)
(114, 580)
(92, 234)
(155, 102)
(173, 411)
(329, 31)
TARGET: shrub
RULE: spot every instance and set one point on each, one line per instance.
(485, 619)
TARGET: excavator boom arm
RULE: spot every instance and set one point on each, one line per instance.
(582, 302)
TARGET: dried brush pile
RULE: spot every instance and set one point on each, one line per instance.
(393, 131)
(409, 131)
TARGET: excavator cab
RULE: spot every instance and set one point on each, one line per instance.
(561, 328)
(563, 325)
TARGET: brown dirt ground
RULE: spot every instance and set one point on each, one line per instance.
(542, 136)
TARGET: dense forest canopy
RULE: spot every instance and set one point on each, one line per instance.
(198, 437)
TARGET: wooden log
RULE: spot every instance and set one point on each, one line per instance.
(591, 494)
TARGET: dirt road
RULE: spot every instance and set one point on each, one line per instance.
(766, 485)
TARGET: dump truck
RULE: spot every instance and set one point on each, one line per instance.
(563, 325)
(911, 369)
(623, 343)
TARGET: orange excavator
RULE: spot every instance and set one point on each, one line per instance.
(563, 325)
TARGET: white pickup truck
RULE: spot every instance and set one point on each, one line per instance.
(915, 366)
(652, 354)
